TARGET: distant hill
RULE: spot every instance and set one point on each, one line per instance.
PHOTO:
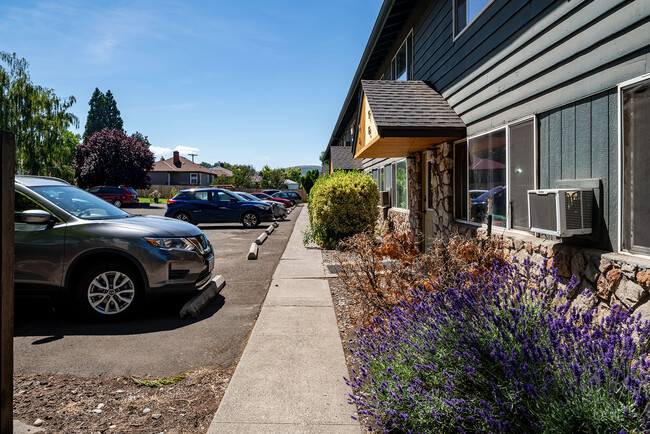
(306, 168)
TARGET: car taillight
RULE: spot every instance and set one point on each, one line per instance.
(129, 195)
(170, 201)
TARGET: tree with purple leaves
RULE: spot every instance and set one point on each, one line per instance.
(110, 157)
(503, 352)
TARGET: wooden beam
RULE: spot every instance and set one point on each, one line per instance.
(7, 170)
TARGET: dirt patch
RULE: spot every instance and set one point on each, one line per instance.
(67, 403)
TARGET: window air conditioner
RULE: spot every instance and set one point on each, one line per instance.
(384, 198)
(562, 212)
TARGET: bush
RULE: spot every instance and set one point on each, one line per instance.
(155, 196)
(174, 191)
(503, 354)
(382, 270)
(340, 205)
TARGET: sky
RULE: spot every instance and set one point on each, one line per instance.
(259, 82)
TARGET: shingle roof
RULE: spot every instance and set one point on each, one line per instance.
(187, 166)
(408, 105)
(342, 158)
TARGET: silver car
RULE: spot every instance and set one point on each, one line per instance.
(72, 242)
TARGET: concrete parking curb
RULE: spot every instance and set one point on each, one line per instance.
(269, 230)
(275, 224)
(253, 251)
(195, 306)
(260, 240)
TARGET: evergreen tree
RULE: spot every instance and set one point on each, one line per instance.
(114, 120)
(103, 113)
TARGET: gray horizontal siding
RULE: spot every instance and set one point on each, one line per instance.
(522, 57)
(375, 163)
(578, 141)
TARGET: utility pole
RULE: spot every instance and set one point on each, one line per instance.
(192, 155)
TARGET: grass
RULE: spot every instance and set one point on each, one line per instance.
(159, 383)
(150, 200)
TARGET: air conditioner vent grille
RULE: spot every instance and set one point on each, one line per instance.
(542, 212)
(578, 209)
(562, 212)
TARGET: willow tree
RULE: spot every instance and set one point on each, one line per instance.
(39, 119)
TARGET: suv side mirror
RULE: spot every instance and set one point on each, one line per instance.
(36, 216)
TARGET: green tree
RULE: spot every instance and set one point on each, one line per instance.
(293, 173)
(272, 178)
(138, 135)
(308, 181)
(205, 164)
(113, 117)
(39, 119)
(103, 113)
(241, 176)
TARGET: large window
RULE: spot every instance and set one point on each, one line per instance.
(636, 160)
(492, 175)
(465, 11)
(401, 67)
(401, 185)
(487, 178)
(522, 171)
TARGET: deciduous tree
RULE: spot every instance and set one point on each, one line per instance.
(272, 178)
(111, 157)
(38, 118)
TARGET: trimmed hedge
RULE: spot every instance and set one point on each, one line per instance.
(340, 205)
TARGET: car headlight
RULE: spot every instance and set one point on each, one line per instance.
(172, 243)
(261, 206)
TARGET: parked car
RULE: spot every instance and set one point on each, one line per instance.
(264, 196)
(293, 196)
(478, 211)
(68, 241)
(270, 192)
(279, 210)
(216, 205)
(117, 195)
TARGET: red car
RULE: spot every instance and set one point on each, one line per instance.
(263, 196)
(117, 195)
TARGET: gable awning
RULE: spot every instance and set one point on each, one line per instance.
(397, 118)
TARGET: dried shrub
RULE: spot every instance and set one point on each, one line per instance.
(383, 270)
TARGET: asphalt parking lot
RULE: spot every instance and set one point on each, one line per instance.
(51, 338)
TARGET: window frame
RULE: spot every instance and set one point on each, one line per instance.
(621, 166)
(408, 42)
(469, 22)
(507, 128)
(194, 178)
(394, 180)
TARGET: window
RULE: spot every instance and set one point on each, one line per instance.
(388, 181)
(465, 11)
(381, 184)
(522, 171)
(496, 170)
(460, 181)
(401, 185)
(635, 134)
(401, 67)
(487, 178)
(194, 178)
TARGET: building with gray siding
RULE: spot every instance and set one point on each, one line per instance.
(551, 94)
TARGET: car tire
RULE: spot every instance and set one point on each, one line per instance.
(117, 203)
(183, 216)
(250, 219)
(109, 291)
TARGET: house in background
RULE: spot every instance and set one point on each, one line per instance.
(461, 104)
(339, 156)
(179, 170)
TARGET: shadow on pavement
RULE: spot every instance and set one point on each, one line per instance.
(42, 316)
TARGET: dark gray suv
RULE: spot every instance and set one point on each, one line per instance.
(68, 240)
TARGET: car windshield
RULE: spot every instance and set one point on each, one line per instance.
(80, 203)
(246, 196)
(132, 191)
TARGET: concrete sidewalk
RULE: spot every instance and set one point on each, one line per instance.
(290, 376)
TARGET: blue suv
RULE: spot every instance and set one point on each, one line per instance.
(214, 205)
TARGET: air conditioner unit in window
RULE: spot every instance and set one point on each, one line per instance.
(562, 212)
(384, 198)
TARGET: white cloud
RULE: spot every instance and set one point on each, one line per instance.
(159, 151)
(186, 149)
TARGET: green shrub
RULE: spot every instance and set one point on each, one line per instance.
(340, 205)
(154, 196)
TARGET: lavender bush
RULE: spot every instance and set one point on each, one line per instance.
(500, 352)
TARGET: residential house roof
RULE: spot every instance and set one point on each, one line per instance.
(341, 158)
(185, 165)
(410, 109)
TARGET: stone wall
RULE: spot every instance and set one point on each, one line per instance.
(442, 184)
(415, 191)
(612, 279)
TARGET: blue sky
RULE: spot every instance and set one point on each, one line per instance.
(256, 82)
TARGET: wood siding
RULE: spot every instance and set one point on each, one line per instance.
(524, 57)
(579, 141)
